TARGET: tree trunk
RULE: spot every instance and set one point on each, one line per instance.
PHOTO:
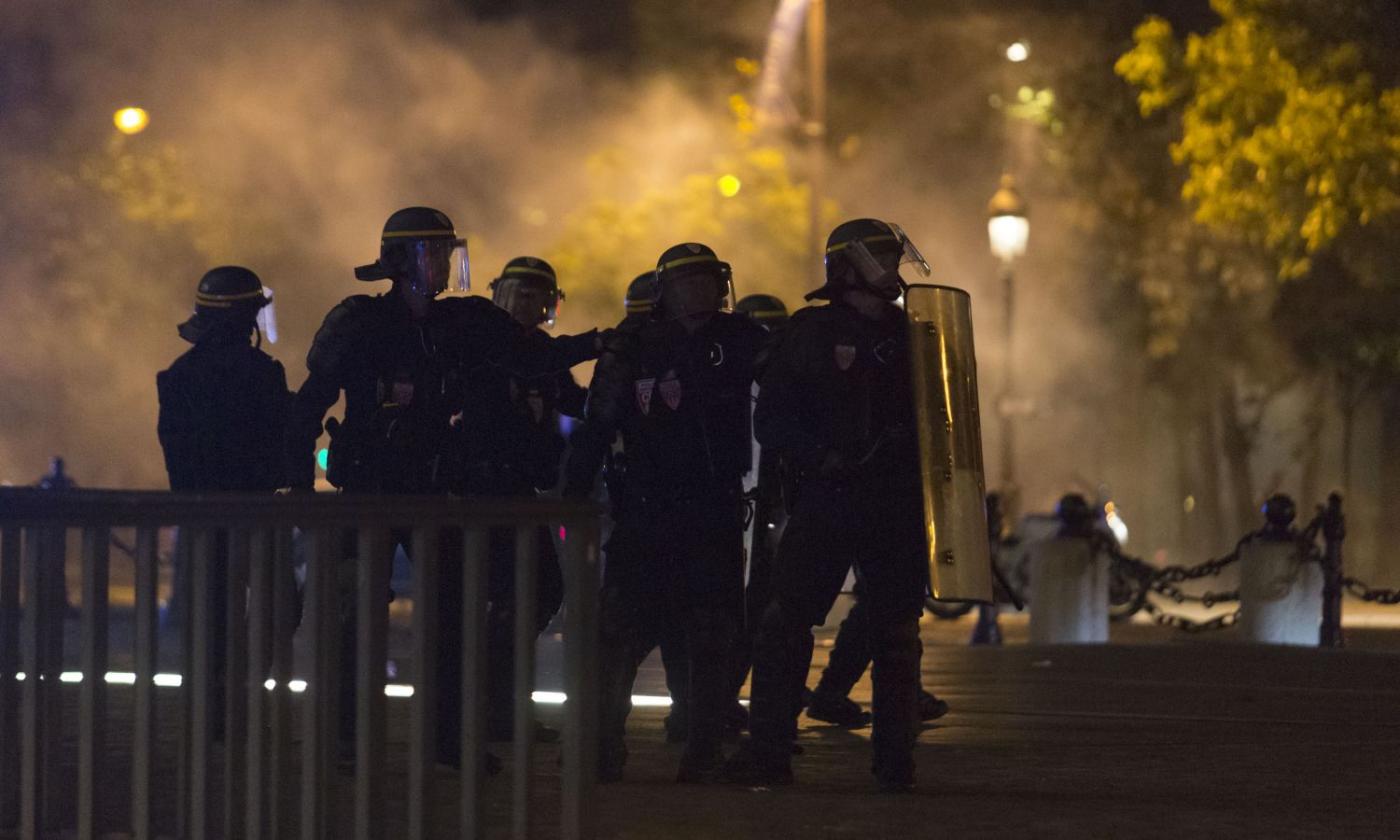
(1310, 447)
(1209, 525)
(1238, 443)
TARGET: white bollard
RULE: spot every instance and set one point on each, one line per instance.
(1280, 593)
(1068, 592)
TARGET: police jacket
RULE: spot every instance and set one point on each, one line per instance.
(682, 403)
(839, 382)
(509, 427)
(403, 383)
(223, 411)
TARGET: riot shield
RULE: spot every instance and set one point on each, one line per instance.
(944, 367)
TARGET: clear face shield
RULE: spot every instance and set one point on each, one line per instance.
(436, 265)
(697, 293)
(531, 303)
(267, 317)
(880, 271)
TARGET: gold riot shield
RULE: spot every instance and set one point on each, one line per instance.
(950, 442)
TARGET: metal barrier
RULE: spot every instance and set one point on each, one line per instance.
(254, 533)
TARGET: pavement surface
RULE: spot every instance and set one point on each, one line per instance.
(1156, 735)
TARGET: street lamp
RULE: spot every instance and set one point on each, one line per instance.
(131, 120)
(1008, 229)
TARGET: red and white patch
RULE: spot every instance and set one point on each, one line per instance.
(644, 389)
(845, 356)
(671, 390)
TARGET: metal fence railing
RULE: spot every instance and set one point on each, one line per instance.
(239, 549)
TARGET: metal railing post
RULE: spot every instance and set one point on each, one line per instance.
(423, 705)
(474, 582)
(372, 606)
(318, 701)
(578, 808)
(281, 816)
(1333, 533)
(144, 710)
(36, 694)
(198, 681)
(236, 679)
(526, 567)
(255, 762)
(92, 702)
(9, 665)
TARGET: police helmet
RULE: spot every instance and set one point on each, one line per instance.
(532, 278)
(228, 295)
(854, 244)
(640, 297)
(765, 309)
(420, 247)
(693, 258)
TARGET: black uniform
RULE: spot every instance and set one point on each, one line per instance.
(404, 382)
(223, 410)
(836, 404)
(513, 447)
(675, 558)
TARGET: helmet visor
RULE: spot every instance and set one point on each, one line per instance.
(436, 265)
(697, 292)
(530, 301)
(267, 317)
(909, 252)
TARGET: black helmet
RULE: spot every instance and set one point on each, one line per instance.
(765, 309)
(692, 258)
(640, 296)
(530, 274)
(417, 246)
(877, 238)
(1074, 512)
(1279, 512)
(230, 296)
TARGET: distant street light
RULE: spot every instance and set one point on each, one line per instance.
(1008, 230)
(1018, 52)
(1007, 225)
(131, 120)
(728, 185)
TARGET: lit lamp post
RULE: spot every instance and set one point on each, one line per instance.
(1007, 230)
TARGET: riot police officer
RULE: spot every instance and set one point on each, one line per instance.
(836, 404)
(223, 411)
(679, 392)
(638, 306)
(223, 404)
(764, 486)
(513, 447)
(400, 358)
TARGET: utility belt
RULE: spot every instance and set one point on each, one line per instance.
(392, 458)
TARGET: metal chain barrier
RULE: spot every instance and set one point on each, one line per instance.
(1186, 625)
(1358, 589)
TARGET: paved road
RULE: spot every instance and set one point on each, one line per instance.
(1165, 737)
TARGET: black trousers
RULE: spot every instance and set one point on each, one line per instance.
(500, 630)
(673, 570)
(831, 528)
(851, 654)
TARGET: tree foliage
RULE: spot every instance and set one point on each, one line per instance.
(1288, 132)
